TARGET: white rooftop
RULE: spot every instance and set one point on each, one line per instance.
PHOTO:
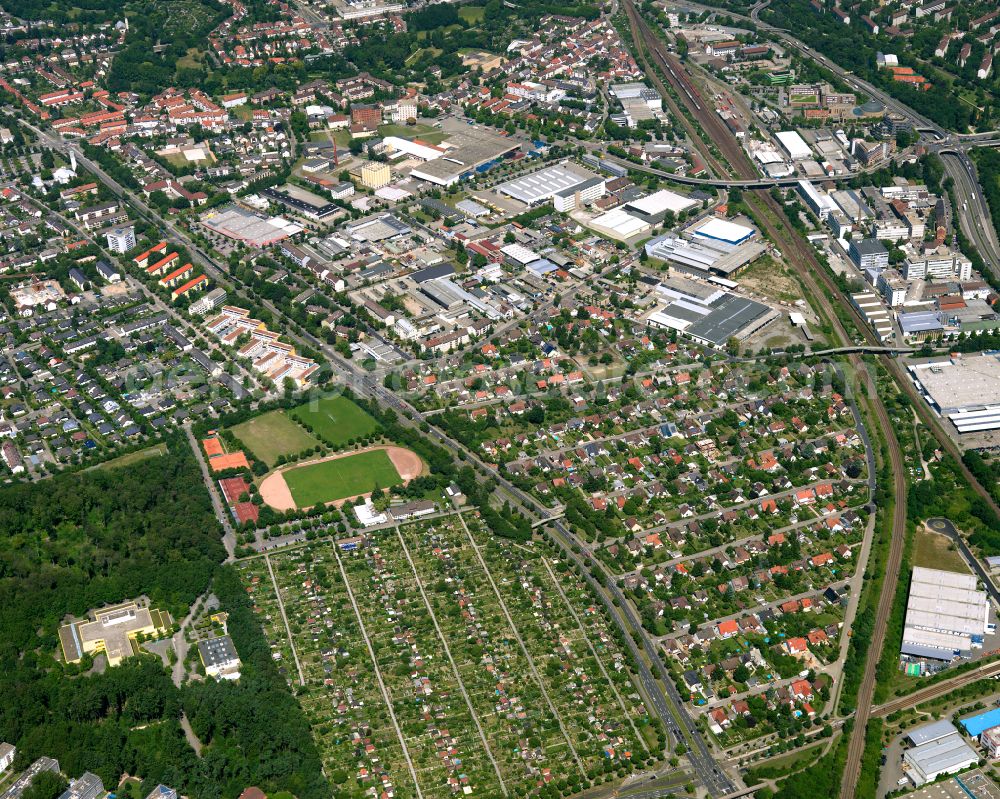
(424, 152)
(794, 144)
(969, 382)
(661, 201)
(539, 186)
(723, 230)
(368, 516)
(622, 223)
(945, 610)
(519, 253)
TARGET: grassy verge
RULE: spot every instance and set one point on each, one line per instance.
(870, 761)
(874, 575)
(782, 766)
(823, 779)
(131, 458)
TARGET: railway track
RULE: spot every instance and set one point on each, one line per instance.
(803, 259)
(939, 689)
(805, 256)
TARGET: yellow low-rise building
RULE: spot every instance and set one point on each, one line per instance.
(113, 631)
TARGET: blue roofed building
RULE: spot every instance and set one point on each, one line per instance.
(974, 725)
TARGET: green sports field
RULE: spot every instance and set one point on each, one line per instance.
(349, 476)
(335, 419)
(273, 434)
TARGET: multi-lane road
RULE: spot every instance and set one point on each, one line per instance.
(951, 146)
(971, 209)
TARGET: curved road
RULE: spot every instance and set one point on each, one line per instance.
(803, 258)
(972, 210)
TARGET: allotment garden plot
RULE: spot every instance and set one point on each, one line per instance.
(438, 661)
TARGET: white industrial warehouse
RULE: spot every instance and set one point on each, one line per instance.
(654, 207)
(710, 246)
(936, 748)
(794, 145)
(620, 225)
(566, 184)
(722, 230)
(946, 615)
(965, 389)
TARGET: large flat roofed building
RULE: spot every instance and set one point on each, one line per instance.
(552, 183)
(966, 390)
(928, 733)
(820, 203)
(240, 224)
(794, 145)
(708, 247)
(654, 207)
(399, 147)
(112, 631)
(722, 230)
(298, 200)
(946, 615)
(621, 225)
(376, 228)
(708, 314)
(943, 752)
(366, 9)
(468, 151)
(624, 92)
(980, 722)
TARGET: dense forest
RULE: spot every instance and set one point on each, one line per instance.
(82, 540)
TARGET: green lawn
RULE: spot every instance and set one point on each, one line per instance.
(936, 551)
(134, 457)
(340, 136)
(181, 160)
(427, 133)
(472, 14)
(273, 434)
(344, 477)
(335, 420)
(434, 51)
